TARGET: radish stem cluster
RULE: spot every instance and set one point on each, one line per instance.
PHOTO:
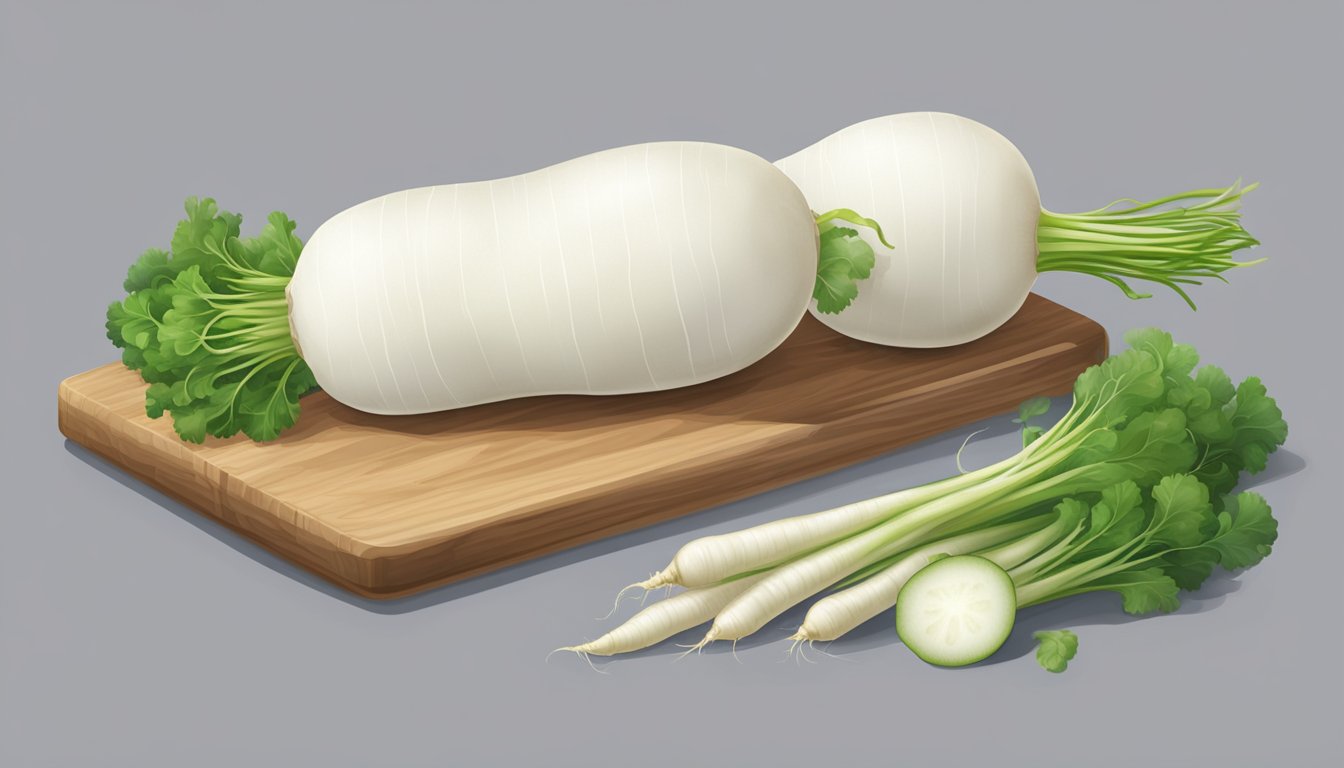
(1173, 246)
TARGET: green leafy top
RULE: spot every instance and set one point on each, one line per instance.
(1148, 550)
(1057, 648)
(207, 326)
(843, 260)
(1140, 470)
(1157, 241)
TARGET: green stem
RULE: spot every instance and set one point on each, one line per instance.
(853, 217)
(1041, 560)
(1015, 553)
(1170, 246)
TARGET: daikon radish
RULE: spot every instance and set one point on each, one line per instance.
(634, 269)
(969, 236)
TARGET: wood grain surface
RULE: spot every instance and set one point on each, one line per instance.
(389, 505)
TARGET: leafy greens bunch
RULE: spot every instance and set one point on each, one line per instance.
(207, 326)
(1131, 492)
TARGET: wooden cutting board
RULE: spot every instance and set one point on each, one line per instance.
(389, 505)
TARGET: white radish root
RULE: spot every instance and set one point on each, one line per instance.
(665, 618)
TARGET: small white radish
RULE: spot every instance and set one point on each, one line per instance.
(711, 559)
(790, 584)
(834, 615)
(665, 618)
(633, 269)
(961, 209)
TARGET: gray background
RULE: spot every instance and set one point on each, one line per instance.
(133, 632)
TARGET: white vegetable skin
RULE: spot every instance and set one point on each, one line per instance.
(634, 269)
(959, 203)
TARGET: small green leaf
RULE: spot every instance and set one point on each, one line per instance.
(844, 260)
(1189, 567)
(1116, 520)
(158, 398)
(1259, 424)
(1036, 406)
(1057, 648)
(1181, 512)
(1144, 590)
(1030, 434)
(149, 270)
(1246, 531)
(1071, 510)
(1217, 383)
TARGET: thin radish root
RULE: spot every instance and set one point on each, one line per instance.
(579, 650)
(642, 584)
(962, 449)
(665, 578)
(709, 637)
(799, 638)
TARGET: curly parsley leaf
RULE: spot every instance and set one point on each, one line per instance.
(1142, 590)
(844, 260)
(1181, 512)
(1255, 429)
(1246, 531)
(1056, 649)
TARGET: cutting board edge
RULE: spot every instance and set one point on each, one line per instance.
(92, 428)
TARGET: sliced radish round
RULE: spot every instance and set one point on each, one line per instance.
(956, 610)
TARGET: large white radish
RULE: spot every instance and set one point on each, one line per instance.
(633, 269)
(960, 207)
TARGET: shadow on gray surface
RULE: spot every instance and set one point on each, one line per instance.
(1282, 464)
(932, 449)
